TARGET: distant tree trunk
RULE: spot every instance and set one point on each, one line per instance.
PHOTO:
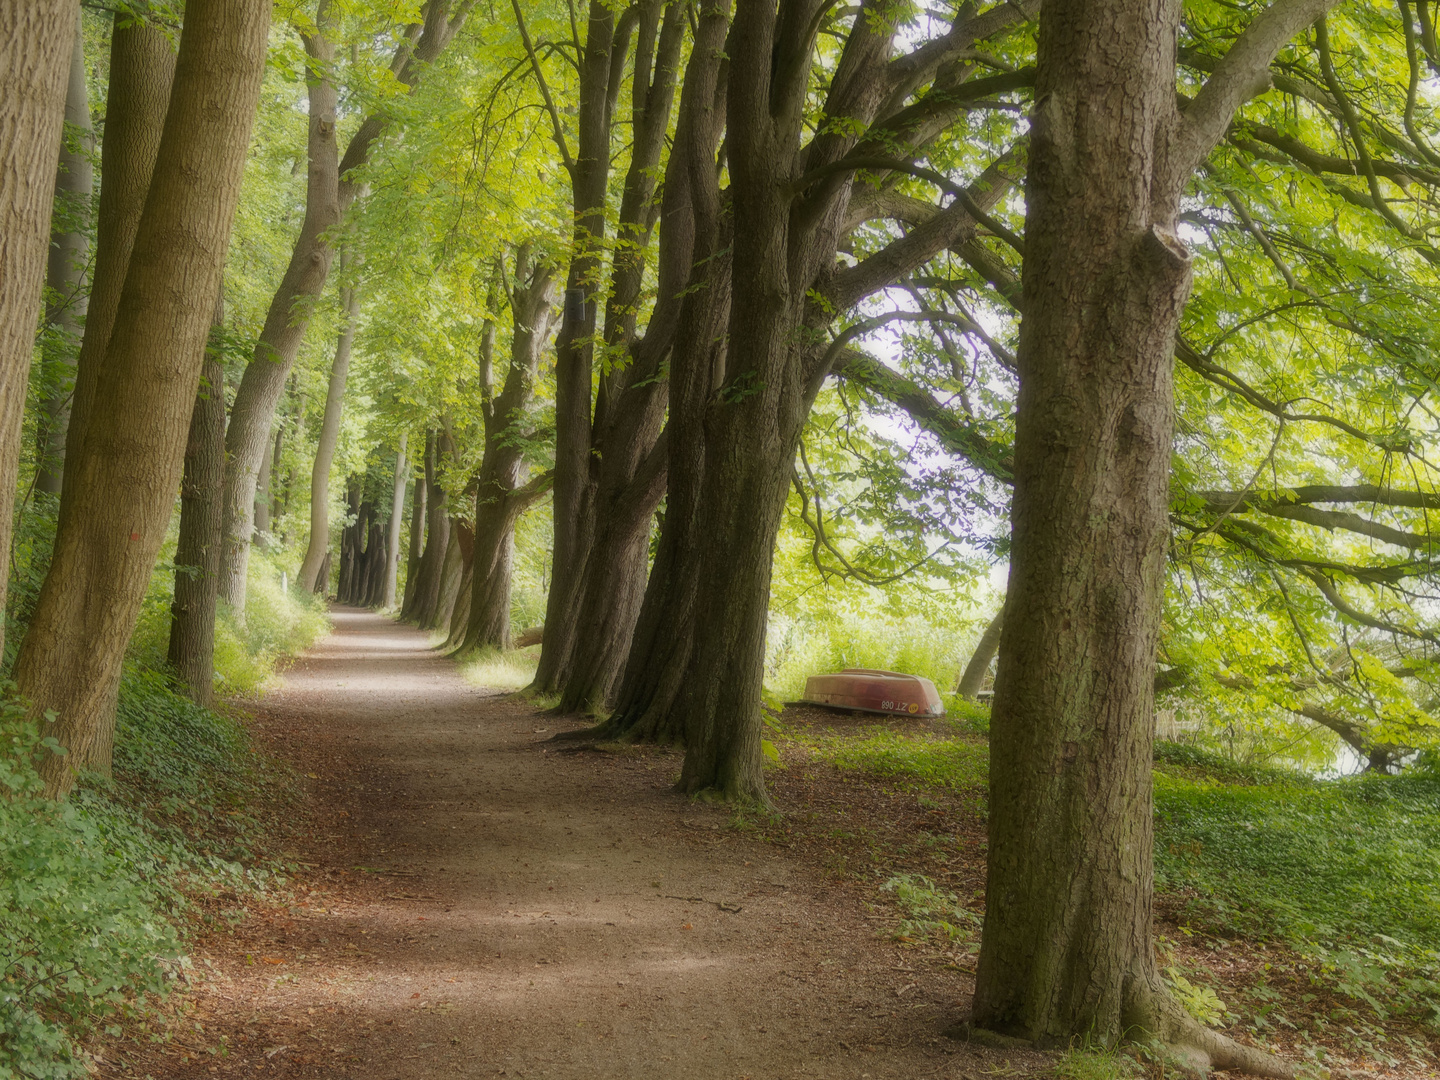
(437, 541)
(121, 492)
(973, 678)
(348, 552)
(197, 552)
(322, 579)
(262, 500)
(319, 544)
(35, 38)
(329, 193)
(375, 551)
(417, 542)
(1068, 948)
(69, 252)
(142, 66)
(397, 511)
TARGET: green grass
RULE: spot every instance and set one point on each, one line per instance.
(512, 670)
(1347, 871)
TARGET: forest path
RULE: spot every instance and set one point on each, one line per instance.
(484, 904)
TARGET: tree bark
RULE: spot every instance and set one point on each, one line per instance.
(142, 67)
(417, 541)
(121, 490)
(35, 38)
(348, 542)
(973, 677)
(501, 493)
(452, 573)
(328, 195)
(69, 252)
(319, 542)
(197, 551)
(262, 497)
(397, 511)
(1067, 950)
(598, 585)
(437, 541)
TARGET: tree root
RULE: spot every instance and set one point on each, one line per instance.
(1184, 1043)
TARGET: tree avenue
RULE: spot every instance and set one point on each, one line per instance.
(657, 355)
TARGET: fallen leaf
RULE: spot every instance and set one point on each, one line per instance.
(272, 960)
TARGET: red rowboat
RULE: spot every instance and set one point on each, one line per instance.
(867, 690)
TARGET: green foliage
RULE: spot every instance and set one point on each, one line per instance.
(1201, 1002)
(510, 670)
(91, 889)
(931, 914)
(954, 763)
(1096, 1064)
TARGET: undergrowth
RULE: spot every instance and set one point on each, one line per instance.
(94, 889)
(511, 670)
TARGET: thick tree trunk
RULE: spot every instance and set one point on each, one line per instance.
(319, 544)
(69, 252)
(973, 678)
(1068, 949)
(142, 67)
(35, 39)
(120, 492)
(328, 195)
(348, 552)
(397, 511)
(375, 552)
(197, 552)
(493, 570)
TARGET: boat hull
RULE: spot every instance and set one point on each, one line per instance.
(869, 690)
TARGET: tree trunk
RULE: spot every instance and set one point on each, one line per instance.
(460, 613)
(437, 542)
(322, 579)
(69, 252)
(262, 499)
(417, 542)
(142, 67)
(574, 352)
(501, 494)
(319, 543)
(1068, 949)
(328, 195)
(973, 677)
(348, 553)
(375, 551)
(197, 552)
(452, 572)
(397, 512)
(247, 439)
(35, 38)
(121, 491)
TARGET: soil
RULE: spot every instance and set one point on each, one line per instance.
(474, 900)
(471, 899)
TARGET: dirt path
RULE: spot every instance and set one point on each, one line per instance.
(481, 904)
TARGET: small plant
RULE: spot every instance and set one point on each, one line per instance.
(1200, 1001)
(931, 915)
(1098, 1064)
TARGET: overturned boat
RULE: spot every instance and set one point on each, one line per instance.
(868, 690)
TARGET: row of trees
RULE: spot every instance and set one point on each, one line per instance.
(986, 221)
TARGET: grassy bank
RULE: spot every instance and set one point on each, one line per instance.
(1345, 873)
